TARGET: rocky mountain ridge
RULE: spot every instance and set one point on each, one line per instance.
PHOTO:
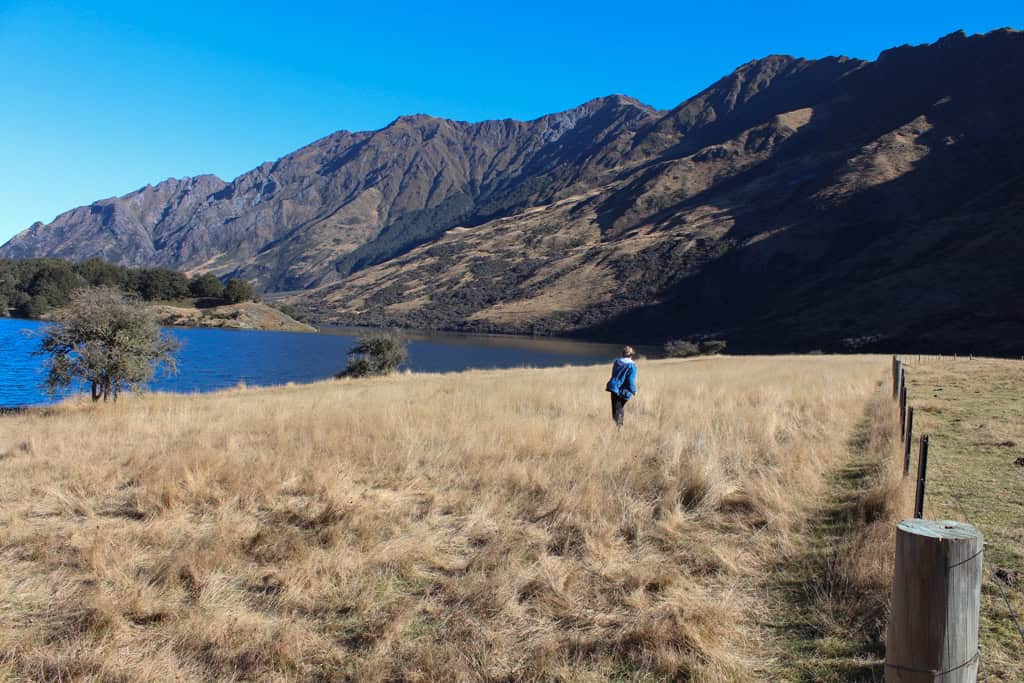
(831, 203)
(287, 224)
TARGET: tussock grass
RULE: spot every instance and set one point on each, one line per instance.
(830, 594)
(474, 526)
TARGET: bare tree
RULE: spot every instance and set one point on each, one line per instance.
(108, 340)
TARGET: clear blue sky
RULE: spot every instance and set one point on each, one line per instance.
(100, 98)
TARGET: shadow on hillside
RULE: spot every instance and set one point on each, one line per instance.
(927, 258)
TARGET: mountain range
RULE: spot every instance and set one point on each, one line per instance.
(794, 204)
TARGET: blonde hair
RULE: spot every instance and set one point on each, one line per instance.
(628, 351)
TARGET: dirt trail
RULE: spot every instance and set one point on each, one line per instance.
(824, 615)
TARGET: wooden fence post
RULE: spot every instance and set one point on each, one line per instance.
(908, 440)
(932, 633)
(897, 380)
(922, 473)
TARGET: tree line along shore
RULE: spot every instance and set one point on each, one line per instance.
(35, 288)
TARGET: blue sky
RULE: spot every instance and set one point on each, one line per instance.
(100, 98)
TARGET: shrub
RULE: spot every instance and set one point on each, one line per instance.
(375, 355)
(712, 346)
(292, 312)
(679, 348)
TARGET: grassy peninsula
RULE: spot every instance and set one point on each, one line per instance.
(38, 288)
(247, 315)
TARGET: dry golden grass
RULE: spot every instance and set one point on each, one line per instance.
(475, 526)
(829, 600)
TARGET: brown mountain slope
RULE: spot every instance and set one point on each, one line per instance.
(887, 211)
(815, 203)
(289, 223)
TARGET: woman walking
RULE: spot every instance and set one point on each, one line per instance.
(622, 385)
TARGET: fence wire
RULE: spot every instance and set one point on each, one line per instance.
(991, 570)
(963, 512)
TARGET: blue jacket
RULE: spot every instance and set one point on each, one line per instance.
(623, 381)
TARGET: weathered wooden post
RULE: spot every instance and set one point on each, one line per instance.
(932, 633)
(922, 473)
(908, 440)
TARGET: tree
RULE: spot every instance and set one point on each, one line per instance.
(52, 284)
(158, 284)
(99, 273)
(237, 290)
(375, 355)
(206, 286)
(30, 307)
(106, 339)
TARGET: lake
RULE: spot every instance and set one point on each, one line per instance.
(213, 359)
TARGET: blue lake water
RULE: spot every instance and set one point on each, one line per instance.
(213, 359)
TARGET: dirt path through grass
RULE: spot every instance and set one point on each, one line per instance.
(825, 602)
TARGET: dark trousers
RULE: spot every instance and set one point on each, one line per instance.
(618, 409)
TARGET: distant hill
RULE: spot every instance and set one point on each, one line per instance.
(829, 203)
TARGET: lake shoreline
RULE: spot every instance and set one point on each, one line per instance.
(218, 358)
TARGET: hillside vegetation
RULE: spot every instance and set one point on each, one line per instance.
(475, 526)
(32, 288)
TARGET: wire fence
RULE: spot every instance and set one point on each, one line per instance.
(900, 394)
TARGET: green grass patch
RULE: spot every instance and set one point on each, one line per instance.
(973, 412)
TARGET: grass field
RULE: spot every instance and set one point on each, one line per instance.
(474, 526)
(973, 412)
